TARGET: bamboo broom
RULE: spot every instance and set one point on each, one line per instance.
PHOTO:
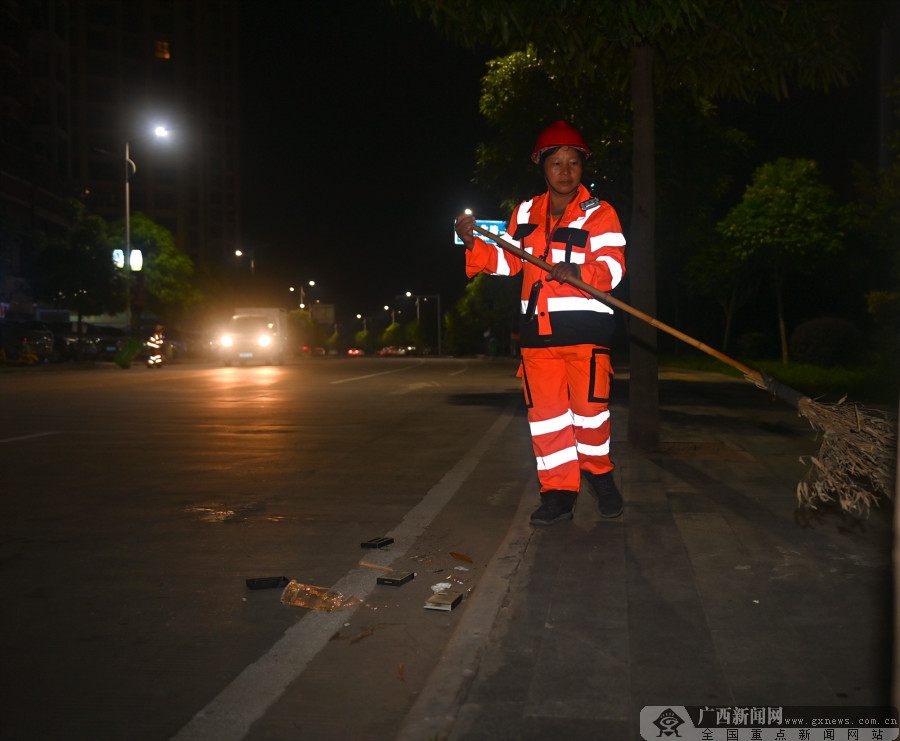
(856, 462)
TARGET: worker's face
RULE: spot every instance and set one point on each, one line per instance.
(562, 169)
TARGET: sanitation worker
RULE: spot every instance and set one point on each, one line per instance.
(565, 335)
(155, 343)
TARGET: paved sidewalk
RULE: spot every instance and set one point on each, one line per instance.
(709, 590)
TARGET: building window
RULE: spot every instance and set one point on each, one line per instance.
(162, 50)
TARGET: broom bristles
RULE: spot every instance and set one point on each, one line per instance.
(856, 462)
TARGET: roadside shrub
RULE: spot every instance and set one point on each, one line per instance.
(827, 342)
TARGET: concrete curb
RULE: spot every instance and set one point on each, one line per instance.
(435, 711)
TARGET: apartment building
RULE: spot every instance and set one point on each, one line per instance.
(86, 80)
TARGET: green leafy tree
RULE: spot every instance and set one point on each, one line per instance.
(697, 157)
(416, 336)
(393, 335)
(718, 272)
(785, 221)
(640, 47)
(364, 340)
(77, 271)
(334, 342)
(519, 93)
(304, 332)
(487, 309)
(166, 282)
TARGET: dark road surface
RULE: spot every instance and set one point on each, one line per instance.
(136, 504)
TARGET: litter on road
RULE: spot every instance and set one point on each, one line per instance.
(396, 578)
(296, 594)
(267, 582)
(376, 542)
(443, 601)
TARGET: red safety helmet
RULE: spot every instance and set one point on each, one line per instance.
(559, 134)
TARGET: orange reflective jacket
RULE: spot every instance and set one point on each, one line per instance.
(588, 235)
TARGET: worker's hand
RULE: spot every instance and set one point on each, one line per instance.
(464, 224)
(562, 271)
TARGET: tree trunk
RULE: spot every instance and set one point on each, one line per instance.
(729, 316)
(79, 334)
(779, 302)
(643, 388)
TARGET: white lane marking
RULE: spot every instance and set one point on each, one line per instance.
(28, 437)
(373, 375)
(409, 388)
(437, 706)
(229, 715)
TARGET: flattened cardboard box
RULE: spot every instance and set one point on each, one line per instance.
(376, 542)
(443, 601)
(267, 582)
(395, 578)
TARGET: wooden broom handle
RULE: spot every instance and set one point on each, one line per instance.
(752, 375)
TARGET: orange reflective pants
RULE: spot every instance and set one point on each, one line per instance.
(567, 394)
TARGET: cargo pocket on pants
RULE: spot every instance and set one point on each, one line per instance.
(525, 388)
(601, 371)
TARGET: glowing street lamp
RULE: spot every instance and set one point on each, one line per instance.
(311, 284)
(240, 253)
(134, 259)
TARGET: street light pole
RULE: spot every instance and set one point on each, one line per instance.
(427, 296)
(439, 323)
(130, 169)
(161, 132)
(240, 253)
(311, 284)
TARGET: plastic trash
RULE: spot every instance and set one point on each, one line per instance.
(296, 594)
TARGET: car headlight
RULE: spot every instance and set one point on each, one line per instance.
(227, 341)
(264, 340)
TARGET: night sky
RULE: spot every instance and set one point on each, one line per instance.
(359, 131)
(358, 147)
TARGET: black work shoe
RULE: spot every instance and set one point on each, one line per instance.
(609, 500)
(556, 506)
